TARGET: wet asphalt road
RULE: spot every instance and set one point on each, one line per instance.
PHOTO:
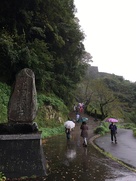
(69, 161)
(124, 150)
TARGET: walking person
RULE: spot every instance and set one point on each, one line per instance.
(84, 133)
(67, 131)
(77, 117)
(113, 129)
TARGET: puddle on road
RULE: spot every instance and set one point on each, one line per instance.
(69, 160)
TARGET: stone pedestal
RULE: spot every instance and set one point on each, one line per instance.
(22, 155)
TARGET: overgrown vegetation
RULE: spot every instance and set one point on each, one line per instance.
(102, 129)
(47, 125)
(108, 96)
(2, 177)
(51, 105)
(46, 37)
(47, 132)
(4, 98)
(134, 132)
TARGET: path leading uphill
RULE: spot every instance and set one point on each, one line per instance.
(91, 123)
(124, 150)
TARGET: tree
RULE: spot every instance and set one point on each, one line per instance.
(44, 36)
(104, 100)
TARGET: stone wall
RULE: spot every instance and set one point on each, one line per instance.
(94, 73)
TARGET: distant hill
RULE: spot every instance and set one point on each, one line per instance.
(94, 73)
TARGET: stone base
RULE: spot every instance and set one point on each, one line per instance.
(22, 155)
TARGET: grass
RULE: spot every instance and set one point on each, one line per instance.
(47, 132)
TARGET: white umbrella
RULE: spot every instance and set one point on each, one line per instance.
(69, 124)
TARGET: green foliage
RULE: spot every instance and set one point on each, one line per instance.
(53, 101)
(134, 132)
(102, 101)
(130, 117)
(125, 91)
(47, 132)
(129, 125)
(4, 99)
(43, 101)
(105, 124)
(109, 96)
(51, 44)
(48, 42)
(58, 106)
(102, 129)
(2, 177)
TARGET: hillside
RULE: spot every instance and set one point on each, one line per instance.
(93, 72)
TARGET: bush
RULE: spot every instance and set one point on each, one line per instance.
(129, 125)
(43, 100)
(100, 130)
(2, 177)
(134, 132)
(47, 132)
(52, 100)
(59, 109)
(4, 99)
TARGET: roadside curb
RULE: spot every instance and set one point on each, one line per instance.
(107, 154)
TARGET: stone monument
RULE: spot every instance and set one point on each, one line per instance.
(23, 102)
(21, 152)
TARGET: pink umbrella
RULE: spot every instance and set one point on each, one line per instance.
(111, 120)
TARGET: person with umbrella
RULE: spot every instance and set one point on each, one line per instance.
(113, 129)
(67, 131)
(84, 132)
(69, 125)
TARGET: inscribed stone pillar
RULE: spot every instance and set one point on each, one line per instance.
(22, 106)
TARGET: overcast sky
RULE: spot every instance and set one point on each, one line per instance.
(110, 28)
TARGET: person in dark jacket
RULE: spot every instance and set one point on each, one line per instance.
(84, 132)
(113, 129)
(68, 131)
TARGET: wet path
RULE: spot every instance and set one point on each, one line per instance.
(124, 150)
(70, 161)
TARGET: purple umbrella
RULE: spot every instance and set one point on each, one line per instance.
(111, 120)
